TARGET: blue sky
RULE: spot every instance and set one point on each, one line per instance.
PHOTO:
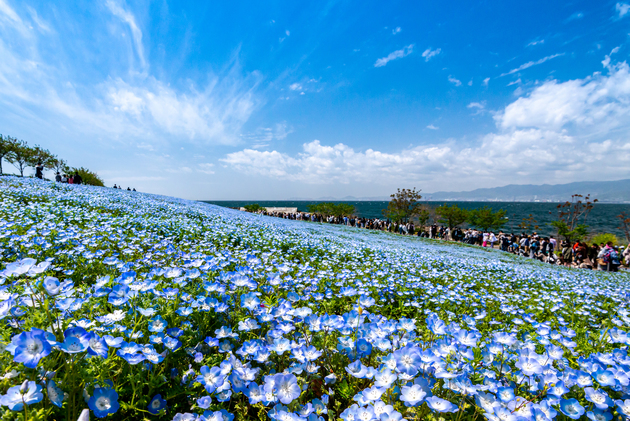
(275, 100)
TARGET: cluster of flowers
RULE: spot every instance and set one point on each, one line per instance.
(134, 304)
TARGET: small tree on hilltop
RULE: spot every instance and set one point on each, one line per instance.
(485, 219)
(21, 155)
(451, 215)
(404, 205)
(571, 223)
(89, 177)
(7, 144)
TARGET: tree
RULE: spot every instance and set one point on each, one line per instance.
(42, 155)
(20, 156)
(6, 146)
(404, 205)
(60, 166)
(89, 177)
(624, 224)
(329, 208)
(451, 215)
(571, 223)
(423, 216)
(254, 207)
(487, 220)
(529, 222)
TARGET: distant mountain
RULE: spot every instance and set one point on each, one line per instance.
(605, 191)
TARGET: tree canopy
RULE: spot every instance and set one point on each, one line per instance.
(404, 205)
(486, 219)
(451, 215)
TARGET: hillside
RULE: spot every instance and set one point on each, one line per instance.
(129, 305)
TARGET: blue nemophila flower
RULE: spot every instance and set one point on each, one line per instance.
(412, 395)
(286, 388)
(76, 340)
(157, 324)
(440, 405)
(599, 415)
(623, 406)
(571, 408)
(598, 397)
(52, 285)
(104, 401)
(211, 378)
(28, 393)
(250, 301)
(204, 402)
(156, 404)
(31, 347)
(55, 394)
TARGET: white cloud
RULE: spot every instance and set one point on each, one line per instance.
(128, 17)
(622, 9)
(454, 81)
(287, 32)
(206, 168)
(486, 81)
(394, 55)
(560, 132)
(295, 87)
(432, 127)
(429, 53)
(396, 30)
(606, 61)
(532, 63)
(536, 42)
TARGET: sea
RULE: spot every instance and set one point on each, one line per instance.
(602, 218)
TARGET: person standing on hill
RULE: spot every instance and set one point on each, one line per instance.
(77, 178)
(39, 170)
(58, 177)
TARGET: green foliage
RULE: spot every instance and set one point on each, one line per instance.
(528, 223)
(451, 215)
(7, 144)
(404, 205)
(254, 207)
(605, 238)
(486, 219)
(20, 155)
(89, 177)
(578, 233)
(330, 208)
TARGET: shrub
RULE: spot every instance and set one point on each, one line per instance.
(604, 238)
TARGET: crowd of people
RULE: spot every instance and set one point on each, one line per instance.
(546, 249)
(65, 178)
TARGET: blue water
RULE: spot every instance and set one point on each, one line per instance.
(602, 219)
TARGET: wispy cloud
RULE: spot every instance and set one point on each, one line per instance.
(536, 42)
(532, 63)
(128, 17)
(396, 30)
(432, 127)
(622, 9)
(429, 53)
(394, 56)
(575, 16)
(454, 81)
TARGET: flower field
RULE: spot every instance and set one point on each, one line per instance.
(138, 306)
